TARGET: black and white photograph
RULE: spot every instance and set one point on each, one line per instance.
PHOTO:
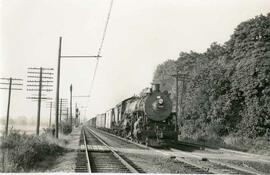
(135, 86)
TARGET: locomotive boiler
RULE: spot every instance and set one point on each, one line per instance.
(146, 118)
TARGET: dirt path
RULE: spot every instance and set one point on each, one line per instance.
(65, 162)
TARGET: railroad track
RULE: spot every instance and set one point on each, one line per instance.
(97, 157)
(193, 167)
(214, 166)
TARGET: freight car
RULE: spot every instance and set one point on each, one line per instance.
(100, 120)
(147, 118)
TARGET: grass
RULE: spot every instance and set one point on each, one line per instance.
(24, 151)
(209, 138)
(260, 145)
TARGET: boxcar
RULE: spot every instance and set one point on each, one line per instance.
(92, 122)
(101, 120)
(109, 118)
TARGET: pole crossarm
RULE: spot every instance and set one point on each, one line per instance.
(48, 90)
(19, 84)
(12, 88)
(38, 68)
(30, 76)
(18, 79)
(36, 85)
(38, 98)
(80, 96)
(36, 81)
(64, 103)
(47, 73)
(80, 56)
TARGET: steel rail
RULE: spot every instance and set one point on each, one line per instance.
(124, 162)
(179, 158)
(86, 153)
(160, 151)
(126, 140)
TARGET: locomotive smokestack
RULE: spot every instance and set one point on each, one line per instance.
(155, 87)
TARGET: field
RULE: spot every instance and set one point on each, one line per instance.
(28, 129)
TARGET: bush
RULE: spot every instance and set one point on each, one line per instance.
(24, 151)
(66, 128)
(13, 139)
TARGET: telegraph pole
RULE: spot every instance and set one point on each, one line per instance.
(39, 100)
(50, 114)
(63, 104)
(182, 96)
(10, 84)
(180, 77)
(70, 105)
(32, 73)
(9, 95)
(67, 114)
(177, 96)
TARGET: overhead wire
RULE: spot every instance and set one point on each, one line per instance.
(102, 43)
(100, 48)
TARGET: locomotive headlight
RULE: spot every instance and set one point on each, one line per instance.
(160, 101)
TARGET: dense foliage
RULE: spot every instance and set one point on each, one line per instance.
(228, 87)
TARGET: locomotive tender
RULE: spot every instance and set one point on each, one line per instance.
(147, 118)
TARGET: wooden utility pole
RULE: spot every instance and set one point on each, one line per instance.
(62, 105)
(39, 101)
(39, 76)
(50, 114)
(9, 95)
(60, 110)
(10, 88)
(182, 96)
(67, 114)
(177, 105)
(76, 114)
(70, 107)
(180, 77)
(58, 80)
(57, 87)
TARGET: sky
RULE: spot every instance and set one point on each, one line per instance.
(141, 34)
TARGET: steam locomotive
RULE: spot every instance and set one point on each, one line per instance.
(146, 118)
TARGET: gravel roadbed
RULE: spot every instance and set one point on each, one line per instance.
(147, 159)
(256, 165)
(64, 162)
